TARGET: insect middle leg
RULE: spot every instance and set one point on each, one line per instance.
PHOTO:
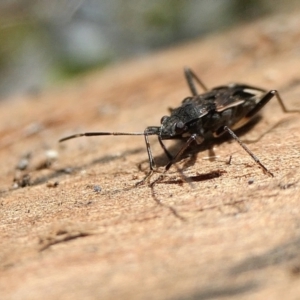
(172, 159)
(176, 158)
(194, 137)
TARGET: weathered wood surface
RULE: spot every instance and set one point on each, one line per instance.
(234, 235)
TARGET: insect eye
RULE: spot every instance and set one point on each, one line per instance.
(163, 119)
(187, 99)
(179, 127)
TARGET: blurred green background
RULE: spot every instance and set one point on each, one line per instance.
(43, 42)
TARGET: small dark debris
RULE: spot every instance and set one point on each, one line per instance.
(286, 186)
(68, 170)
(250, 181)
(134, 177)
(51, 184)
(295, 270)
(61, 232)
(47, 160)
(43, 164)
(229, 160)
(97, 188)
(24, 162)
(22, 181)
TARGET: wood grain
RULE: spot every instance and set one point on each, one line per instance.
(82, 230)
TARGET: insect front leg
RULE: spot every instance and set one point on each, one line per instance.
(255, 158)
(168, 154)
(149, 151)
(151, 131)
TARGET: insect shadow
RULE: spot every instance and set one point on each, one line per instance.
(282, 254)
(204, 117)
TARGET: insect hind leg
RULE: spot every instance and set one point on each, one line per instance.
(190, 77)
(265, 99)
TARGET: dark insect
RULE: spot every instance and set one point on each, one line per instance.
(205, 116)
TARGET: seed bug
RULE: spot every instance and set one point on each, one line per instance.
(222, 109)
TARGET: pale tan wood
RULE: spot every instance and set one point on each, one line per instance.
(233, 236)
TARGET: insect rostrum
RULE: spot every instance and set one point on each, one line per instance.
(205, 116)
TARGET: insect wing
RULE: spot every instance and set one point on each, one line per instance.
(235, 96)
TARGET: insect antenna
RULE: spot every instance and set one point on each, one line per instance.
(102, 133)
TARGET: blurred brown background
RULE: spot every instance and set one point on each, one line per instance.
(44, 42)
